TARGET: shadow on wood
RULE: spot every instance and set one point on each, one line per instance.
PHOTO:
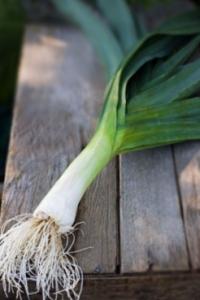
(144, 287)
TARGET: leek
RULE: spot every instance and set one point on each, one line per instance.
(150, 101)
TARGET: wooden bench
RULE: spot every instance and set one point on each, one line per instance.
(142, 213)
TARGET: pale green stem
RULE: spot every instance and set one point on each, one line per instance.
(62, 200)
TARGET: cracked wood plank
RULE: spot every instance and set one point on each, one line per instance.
(152, 235)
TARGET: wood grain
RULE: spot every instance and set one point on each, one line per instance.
(152, 235)
(157, 287)
(187, 158)
(60, 90)
(145, 287)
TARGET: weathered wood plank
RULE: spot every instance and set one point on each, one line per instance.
(60, 89)
(100, 225)
(161, 287)
(152, 231)
(187, 158)
(152, 236)
(145, 287)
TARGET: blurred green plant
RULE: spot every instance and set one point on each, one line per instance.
(11, 31)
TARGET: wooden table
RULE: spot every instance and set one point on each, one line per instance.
(142, 213)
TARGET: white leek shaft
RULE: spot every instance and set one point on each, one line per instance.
(62, 200)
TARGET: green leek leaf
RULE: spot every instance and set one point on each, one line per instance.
(179, 81)
(161, 124)
(187, 23)
(178, 86)
(167, 67)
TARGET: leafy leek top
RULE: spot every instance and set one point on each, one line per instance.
(151, 99)
(153, 93)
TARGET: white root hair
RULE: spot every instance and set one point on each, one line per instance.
(33, 250)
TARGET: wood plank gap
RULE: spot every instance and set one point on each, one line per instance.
(187, 159)
(181, 207)
(142, 274)
(118, 265)
(1, 191)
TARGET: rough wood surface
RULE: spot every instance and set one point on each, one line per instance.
(152, 235)
(145, 287)
(187, 158)
(60, 89)
(157, 287)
